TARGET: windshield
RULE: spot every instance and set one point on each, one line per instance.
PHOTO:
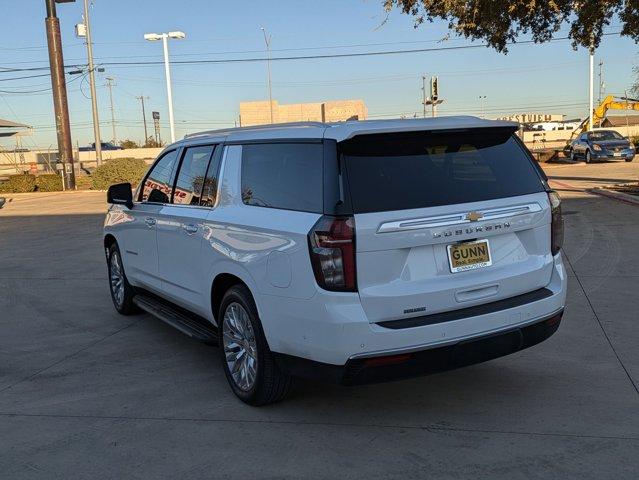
(604, 135)
(408, 170)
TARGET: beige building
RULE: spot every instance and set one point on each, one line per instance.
(259, 113)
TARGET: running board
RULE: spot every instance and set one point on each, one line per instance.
(187, 324)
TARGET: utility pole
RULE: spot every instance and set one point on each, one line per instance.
(59, 87)
(110, 86)
(424, 94)
(146, 134)
(267, 40)
(94, 98)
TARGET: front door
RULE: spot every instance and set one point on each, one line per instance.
(140, 249)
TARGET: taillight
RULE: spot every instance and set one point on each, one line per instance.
(557, 223)
(332, 248)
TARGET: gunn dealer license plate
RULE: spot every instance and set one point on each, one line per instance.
(469, 256)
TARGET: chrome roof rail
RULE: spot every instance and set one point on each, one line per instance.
(273, 126)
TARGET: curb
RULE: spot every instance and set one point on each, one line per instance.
(619, 196)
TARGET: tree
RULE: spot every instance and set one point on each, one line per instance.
(500, 22)
(634, 90)
(152, 143)
(129, 144)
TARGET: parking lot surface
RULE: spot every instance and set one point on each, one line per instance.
(86, 393)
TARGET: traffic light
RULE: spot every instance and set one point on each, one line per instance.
(434, 89)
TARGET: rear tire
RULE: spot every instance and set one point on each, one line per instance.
(248, 363)
(630, 159)
(122, 292)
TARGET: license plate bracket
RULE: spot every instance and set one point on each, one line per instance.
(469, 255)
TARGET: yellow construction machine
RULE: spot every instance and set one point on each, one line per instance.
(598, 114)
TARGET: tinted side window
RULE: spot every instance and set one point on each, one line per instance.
(190, 179)
(209, 190)
(281, 175)
(159, 183)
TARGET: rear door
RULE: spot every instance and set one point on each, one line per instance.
(180, 225)
(445, 220)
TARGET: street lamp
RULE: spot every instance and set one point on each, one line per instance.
(483, 105)
(152, 37)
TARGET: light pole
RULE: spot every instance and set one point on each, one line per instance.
(483, 105)
(267, 40)
(152, 37)
(110, 81)
(591, 89)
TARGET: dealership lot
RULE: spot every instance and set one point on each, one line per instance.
(86, 393)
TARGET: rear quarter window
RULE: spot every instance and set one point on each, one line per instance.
(426, 169)
(283, 175)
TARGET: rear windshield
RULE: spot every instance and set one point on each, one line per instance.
(425, 169)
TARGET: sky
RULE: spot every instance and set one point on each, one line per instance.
(548, 78)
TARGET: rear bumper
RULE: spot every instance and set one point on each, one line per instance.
(397, 366)
(332, 328)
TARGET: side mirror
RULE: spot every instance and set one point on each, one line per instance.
(120, 194)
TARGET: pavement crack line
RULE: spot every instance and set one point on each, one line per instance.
(428, 428)
(67, 357)
(603, 330)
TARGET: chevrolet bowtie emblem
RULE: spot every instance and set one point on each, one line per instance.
(474, 216)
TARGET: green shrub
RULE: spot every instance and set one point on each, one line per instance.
(118, 170)
(83, 182)
(50, 182)
(22, 183)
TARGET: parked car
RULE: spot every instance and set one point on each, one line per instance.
(355, 252)
(602, 145)
(105, 146)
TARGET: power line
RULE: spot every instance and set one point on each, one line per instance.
(302, 57)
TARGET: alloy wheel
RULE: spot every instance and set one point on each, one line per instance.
(116, 277)
(240, 346)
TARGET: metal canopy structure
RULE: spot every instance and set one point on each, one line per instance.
(10, 129)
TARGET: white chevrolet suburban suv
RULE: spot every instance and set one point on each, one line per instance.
(353, 252)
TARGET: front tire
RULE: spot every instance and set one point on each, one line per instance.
(248, 363)
(122, 292)
(588, 156)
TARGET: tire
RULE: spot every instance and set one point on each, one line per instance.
(254, 376)
(572, 156)
(122, 300)
(630, 159)
(588, 156)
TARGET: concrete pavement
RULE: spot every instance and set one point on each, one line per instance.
(86, 393)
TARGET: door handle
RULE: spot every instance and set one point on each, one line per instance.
(150, 221)
(190, 229)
